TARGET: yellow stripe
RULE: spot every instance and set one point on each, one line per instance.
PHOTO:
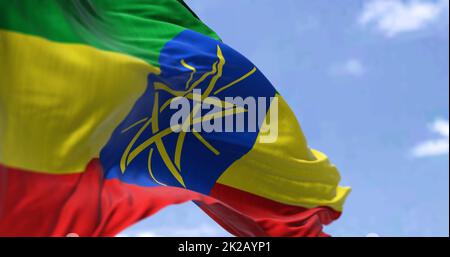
(286, 170)
(59, 103)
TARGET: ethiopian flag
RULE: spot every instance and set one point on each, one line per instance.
(87, 142)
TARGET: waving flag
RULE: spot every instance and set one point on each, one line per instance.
(88, 143)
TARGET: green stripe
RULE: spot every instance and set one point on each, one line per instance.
(135, 27)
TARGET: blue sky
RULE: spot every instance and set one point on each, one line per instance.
(369, 82)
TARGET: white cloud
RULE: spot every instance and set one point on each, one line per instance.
(392, 17)
(434, 147)
(351, 67)
(354, 67)
(441, 127)
(372, 235)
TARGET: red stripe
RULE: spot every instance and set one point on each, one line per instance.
(35, 204)
(273, 218)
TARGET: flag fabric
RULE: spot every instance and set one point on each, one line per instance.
(86, 143)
